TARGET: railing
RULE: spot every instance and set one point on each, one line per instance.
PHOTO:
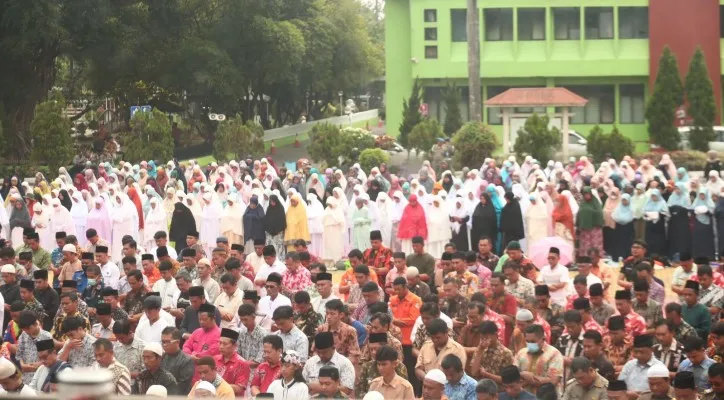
(287, 131)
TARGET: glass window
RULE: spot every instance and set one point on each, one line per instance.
(633, 22)
(599, 23)
(498, 24)
(567, 23)
(430, 51)
(430, 15)
(600, 109)
(459, 24)
(435, 102)
(632, 104)
(531, 24)
(430, 33)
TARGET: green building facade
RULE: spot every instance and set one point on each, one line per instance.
(599, 49)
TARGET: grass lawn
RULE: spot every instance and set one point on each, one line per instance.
(283, 142)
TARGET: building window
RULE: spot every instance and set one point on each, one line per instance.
(430, 15)
(430, 51)
(600, 109)
(436, 106)
(498, 24)
(459, 25)
(599, 23)
(531, 24)
(430, 33)
(632, 104)
(633, 22)
(567, 23)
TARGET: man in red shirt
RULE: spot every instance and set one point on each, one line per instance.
(271, 369)
(635, 324)
(378, 257)
(229, 364)
(503, 303)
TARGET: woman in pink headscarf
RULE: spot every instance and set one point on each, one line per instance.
(99, 219)
(413, 223)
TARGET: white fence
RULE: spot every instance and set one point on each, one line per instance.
(287, 131)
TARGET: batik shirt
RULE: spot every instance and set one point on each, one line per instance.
(455, 308)
(650, 311)
(618, 354)
(130, 355)
(521, 289)
(493, 360)
(713, 296)
(58, 327)
(602, 313)
(250, 345)
(683, 331)
(28, 353)
(548, 362)
(37, 308)
(468, 282)
(671, 356)
(134, 302)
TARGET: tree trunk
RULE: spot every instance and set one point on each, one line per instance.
(473, 30)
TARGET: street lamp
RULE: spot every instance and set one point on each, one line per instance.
(341, 106)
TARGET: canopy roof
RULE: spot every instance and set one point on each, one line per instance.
(537, 97)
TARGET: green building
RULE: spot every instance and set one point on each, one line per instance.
(603, 50)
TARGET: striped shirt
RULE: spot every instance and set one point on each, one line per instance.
(121, 377)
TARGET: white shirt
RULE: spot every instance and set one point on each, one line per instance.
(245, 284)
(267, 269)
(320, 305)
(298, 391)
(255, 261)
(591, 279)
(111, 275)
(98, 331)
(170, 319)
(553, 275)
(167, 290)
(267, 307)
(418, 323)
(150, 333)
(231, 304)
(171, 252)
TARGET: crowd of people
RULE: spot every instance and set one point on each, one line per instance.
(218, 281)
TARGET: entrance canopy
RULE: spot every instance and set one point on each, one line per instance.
(536, 97)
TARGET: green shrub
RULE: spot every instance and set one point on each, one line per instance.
(323, 140)
(536, 139)
(473, 143)
(370, 158)
(50, 130)
(352, 142)
(238, 139)
(614, 144)
(150, 137)
(424, 135)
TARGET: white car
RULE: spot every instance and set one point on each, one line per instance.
(716, 145)
(576, 145)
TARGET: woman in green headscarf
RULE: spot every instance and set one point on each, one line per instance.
(589, 222)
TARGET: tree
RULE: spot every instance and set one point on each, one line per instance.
(150, 137)
(473, 143)
(371, 158)
(702, 103)
(473, 31)
(536, 139)
(324, 139)
(411, 115)
(424, 135)
(453, 119)
(238, 139)
(613, 145)
(50, 130)
(352, 142)
(667, 96)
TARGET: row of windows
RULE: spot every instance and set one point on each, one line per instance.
(600, 109)
(633, 23)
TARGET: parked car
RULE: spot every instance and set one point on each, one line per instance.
(716, 145)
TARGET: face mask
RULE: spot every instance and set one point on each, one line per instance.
(533, 347)
(91, 282)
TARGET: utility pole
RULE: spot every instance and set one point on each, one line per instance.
(474, 89)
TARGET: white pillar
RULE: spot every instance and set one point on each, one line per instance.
(506, 131)
(564, 133)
